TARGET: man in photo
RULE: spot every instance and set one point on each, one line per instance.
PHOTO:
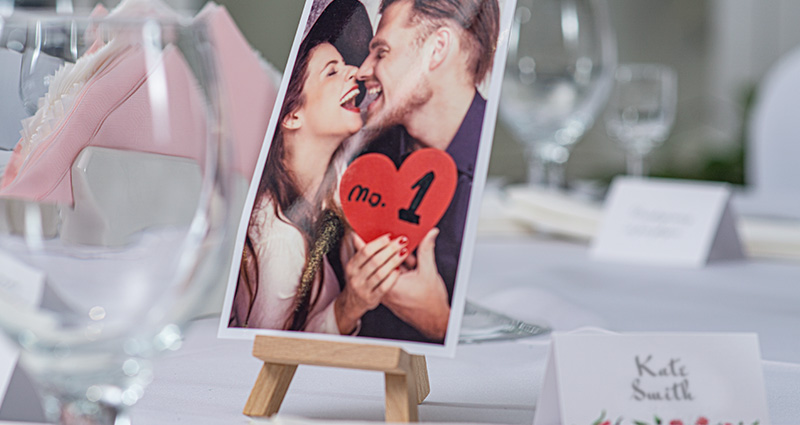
(425, 63)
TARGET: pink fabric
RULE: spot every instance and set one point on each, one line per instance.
(15, 163)
(99, 11)
(13, 166)
(115, 111)
(248, 92)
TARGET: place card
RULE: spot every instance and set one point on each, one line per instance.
(20, 283)
(667, 222)
(653, 379)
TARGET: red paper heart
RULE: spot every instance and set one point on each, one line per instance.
(378, 198)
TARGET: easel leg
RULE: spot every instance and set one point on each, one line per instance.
(269, 390)
(401, 398)
(419, 368)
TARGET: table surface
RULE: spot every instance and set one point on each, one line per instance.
(543, 281)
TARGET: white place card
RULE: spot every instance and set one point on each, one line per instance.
(23, 284)
(667, 222)
(653, 379)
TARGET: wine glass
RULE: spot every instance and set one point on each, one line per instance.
(641, 111)
(559, 73)
(116, 206)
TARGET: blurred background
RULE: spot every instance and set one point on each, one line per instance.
(721, 49)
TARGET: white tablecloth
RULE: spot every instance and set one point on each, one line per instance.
(208, 380)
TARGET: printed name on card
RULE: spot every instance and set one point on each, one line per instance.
(20, 283)
(653, 379)
(667, 222)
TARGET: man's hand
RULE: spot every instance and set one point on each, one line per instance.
(419, 296)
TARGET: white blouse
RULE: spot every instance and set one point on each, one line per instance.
(281, 254)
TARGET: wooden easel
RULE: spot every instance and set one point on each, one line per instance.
(406, 374)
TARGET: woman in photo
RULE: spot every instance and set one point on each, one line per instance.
(286, 281)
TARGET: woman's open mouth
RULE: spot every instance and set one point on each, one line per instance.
(348, 101)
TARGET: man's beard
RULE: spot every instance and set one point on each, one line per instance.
(399, 114)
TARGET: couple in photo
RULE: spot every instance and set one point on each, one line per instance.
(302, 268)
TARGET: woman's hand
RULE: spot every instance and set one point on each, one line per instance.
(369, 274)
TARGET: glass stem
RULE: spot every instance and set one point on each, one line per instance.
(546, 166)
(555, 176)
(636, 164)
(537, 167)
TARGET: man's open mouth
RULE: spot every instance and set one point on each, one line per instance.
(348, 101)
(373, 94)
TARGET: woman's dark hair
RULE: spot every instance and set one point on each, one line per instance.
(342, 24)
(279, 184)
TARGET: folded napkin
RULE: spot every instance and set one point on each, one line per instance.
(119, 96)
(249, 87)
(114, 109)
(765, 238)
(530, 210)
(63, 88)
(144, 8)
(554, 212)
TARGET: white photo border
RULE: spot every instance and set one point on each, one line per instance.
(507, 10)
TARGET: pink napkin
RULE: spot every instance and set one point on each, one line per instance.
(18, 156)
(117, 109)
(248, 91)
(114, 110)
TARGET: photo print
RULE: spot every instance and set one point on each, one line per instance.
(360, 221)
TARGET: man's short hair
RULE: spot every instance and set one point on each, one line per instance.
(479, 19)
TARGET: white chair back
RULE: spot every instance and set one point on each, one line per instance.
(773, 153)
